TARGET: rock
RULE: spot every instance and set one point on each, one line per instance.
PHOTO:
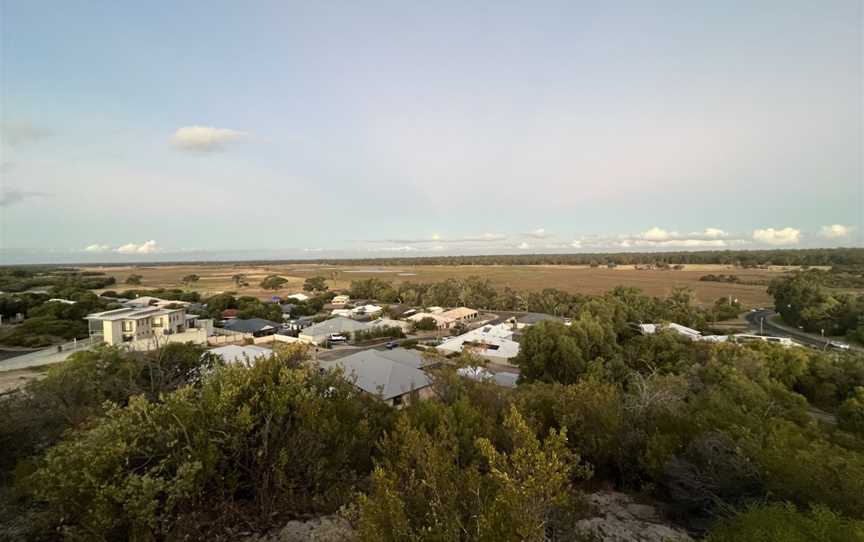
(618, 519)
(323, 529)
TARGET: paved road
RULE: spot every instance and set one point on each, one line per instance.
(46, 356)
(779, 330)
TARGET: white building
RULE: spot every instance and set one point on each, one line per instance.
(299, 297)
(684, 331)
(147, 328)
(494, 343)
(340, 300)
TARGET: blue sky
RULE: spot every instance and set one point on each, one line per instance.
(222, 129)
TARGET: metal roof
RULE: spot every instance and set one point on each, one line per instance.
(339, 324)
(250, 325)
(130, 313)
(386, 373)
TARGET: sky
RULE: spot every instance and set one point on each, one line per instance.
(229, 130)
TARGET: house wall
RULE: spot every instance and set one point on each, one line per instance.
(195, 336)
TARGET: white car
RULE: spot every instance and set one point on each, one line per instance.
(838, 345)
(338, 338)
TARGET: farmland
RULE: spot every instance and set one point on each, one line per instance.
(216, 278)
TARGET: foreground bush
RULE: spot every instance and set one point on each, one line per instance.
(784, 523)
(249, 444)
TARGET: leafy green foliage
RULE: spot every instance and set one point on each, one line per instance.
(784, 523)
(850, 415)
(273, 282)
(248, 443)
(434, 483)
(378, 332)
(315, 284)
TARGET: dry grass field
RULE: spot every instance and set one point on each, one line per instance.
(216, 278)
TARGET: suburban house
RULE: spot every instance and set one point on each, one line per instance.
(257, 327)
(460, 315)
(245, 355)
(298, 297)
(392, 375)
(145, 328)
(302, 322)
(370, 310)
(340, 300)
(442, 323)
(387, 322)
(494, 343)
(448, 319)
(227, 314)
(346, 313)
(319, 333)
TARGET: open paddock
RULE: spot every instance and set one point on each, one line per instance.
(217, 277)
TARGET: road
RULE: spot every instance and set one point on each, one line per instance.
(46, 356)
(778, 330)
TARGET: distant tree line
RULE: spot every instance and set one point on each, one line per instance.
(478, 292)
(20, 279)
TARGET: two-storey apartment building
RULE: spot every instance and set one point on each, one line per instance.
(126, 325)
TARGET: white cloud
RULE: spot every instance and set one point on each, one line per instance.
(148, 247)
(834, 231)
(681, 243)
(714, 233)
(539, 233)
(523, 246)
(655, 234)
(204, 138)
(576, 244)
(770, 236)
(96, 247)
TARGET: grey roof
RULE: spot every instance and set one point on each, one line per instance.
(386, 373)
(129, 313)
(251, 325)
(339, 324)
(241, 354)
(530, 318)
(288, 307)
(507, 380)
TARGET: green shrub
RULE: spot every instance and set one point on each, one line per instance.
(784, 523)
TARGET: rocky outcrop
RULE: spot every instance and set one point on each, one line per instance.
(323, 529)
(617, 518)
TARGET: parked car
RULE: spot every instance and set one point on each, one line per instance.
(337, 338)
(838, 345)
(391, 345)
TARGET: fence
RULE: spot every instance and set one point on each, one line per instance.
(48, 356)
